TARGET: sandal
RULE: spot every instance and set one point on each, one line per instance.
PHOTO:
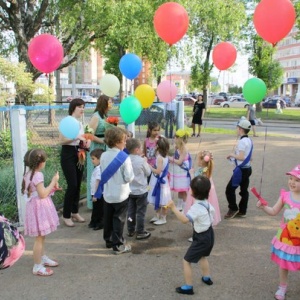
(47, 262)
(78, 218)
(43, 272)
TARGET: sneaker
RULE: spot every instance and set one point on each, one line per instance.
(144, 235)
(180, 290)
(154, 219)
(190, 239)
(240, 215)
(161, 221)
(122, 249)
(231, 214)
(131, 233)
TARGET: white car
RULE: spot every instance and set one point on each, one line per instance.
(236, 102)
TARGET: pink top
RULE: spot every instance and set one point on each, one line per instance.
(150, 151)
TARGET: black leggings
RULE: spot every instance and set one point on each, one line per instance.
(73, 175)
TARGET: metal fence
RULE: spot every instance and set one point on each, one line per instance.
(42, 131)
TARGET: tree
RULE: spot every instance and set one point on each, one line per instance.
(211, 21)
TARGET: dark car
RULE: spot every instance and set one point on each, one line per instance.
(223, 94)
(218, 100)
(155, 113)
(272, 103)
(287, 101)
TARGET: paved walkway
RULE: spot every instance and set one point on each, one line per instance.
(240, 261)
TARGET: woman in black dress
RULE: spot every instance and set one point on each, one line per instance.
(198, 110)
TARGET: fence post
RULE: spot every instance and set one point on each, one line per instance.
(180, 115)
(19, 144)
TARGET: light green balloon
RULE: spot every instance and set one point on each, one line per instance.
(110, 85)
(254, 90)
(130, 109)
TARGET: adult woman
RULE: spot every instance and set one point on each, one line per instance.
(69, 164)
(198, 110)
(97, 123)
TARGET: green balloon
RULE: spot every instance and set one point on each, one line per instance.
(254, 90)
(130, 109)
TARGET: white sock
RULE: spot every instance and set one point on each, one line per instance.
(37, 267)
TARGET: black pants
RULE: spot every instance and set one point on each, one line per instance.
(230, 192)
(137, 207)
(114, 220)
(97, 212)
(73, 175)
(170, 122)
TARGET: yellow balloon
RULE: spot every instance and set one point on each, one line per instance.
(145, 94)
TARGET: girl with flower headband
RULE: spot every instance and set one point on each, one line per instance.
(205, 165)
(180, 165)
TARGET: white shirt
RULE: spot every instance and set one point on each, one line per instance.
(141, 170)
(171, 106)
(117, 189)
(96, 175)
(199, 217)
(244, 144)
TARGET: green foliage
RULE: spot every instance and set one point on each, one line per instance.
(235, 89)
(5, 145)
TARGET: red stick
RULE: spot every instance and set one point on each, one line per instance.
(258, 196)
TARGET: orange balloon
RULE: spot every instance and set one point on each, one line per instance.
(145, 94)
(171, 22)
(274, 19)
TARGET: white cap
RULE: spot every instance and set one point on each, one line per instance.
(245, 124)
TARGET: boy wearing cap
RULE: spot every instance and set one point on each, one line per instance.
(242, 172)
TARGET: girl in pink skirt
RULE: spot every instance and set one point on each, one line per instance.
(286, 244)
(41, 217)
(205, 165)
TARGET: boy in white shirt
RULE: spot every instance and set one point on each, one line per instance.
(96, 222)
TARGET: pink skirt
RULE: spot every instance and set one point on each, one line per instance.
(41, 217)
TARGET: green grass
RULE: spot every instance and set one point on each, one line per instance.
(236, 113)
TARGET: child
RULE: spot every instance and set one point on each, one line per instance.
(201, 216)
(179, 169)
(97, 212)
(285, 246)
(160, 192)
(151, 141)
(205, 165)
(241, 173)
(116, 174)
(129, 136)
(137, 204)
(41, 217)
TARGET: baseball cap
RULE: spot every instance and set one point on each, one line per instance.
(295, 172)
(245, 124)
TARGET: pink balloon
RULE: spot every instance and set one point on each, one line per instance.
(45, 53)
(224, 55)
(166, 91)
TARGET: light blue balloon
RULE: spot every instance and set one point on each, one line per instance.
(130, 109)
(130, 65)
(69, 127)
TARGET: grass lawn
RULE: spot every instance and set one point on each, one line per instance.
(235, 113)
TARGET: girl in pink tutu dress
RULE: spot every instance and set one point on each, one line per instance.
(41, 217)
(286, 244)
(205, 166)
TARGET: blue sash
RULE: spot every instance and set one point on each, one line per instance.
(237, 172)
(156, 190)
(183, 165)
(111, 169)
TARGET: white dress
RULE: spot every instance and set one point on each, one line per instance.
(165, 192)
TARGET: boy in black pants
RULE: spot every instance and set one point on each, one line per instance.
(242, 172)
(97, 212)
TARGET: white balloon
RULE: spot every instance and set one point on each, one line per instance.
(110, 85)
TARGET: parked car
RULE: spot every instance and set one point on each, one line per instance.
(288, 101)
(223, 94)
(235, 102)
(189, 101)
(154, 113)
(217, 100)
(88, 98)
(272, 103)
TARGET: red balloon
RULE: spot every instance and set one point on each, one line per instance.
(171, 22)
(45, 53)
(274, 19)
(224, 55)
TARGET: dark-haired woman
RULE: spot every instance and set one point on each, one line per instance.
(198, 110)
(72, 170)
(97, 123)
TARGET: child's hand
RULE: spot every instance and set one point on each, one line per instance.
(171, 204)
(55, 178)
